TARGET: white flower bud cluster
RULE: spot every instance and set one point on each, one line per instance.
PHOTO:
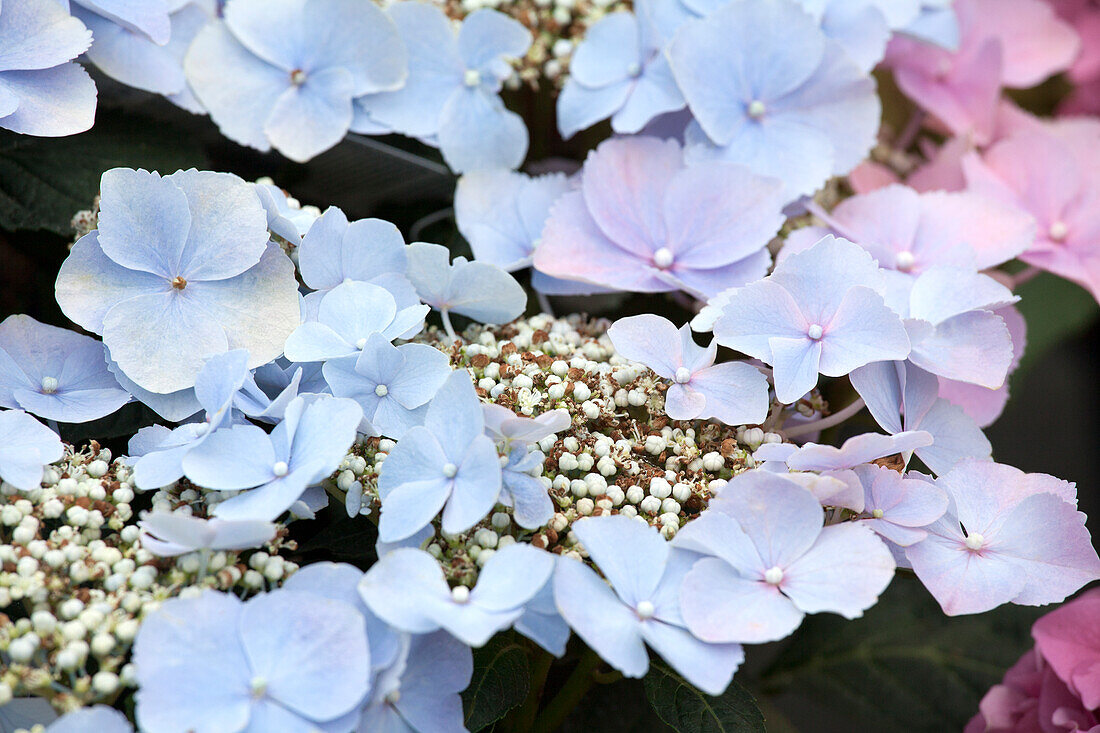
(75, 581)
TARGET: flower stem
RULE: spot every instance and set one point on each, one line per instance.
(544, 304)
(570, 695)
(910, 131)
(1024, 275)
(827, 422)
(447, 325)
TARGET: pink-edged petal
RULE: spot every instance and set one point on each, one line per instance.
(721, 606)
(863, 330)
(736, 393)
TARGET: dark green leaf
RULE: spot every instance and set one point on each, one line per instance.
(688, 710)
(904, 666)
(1055, 310)
(44, 181)
(500, 682)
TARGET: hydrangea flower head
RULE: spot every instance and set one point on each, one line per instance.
(419, 691)
(1015, 43)
(619, 71)
(1046, 175)
(1067, 639)
(637, 605)
(447, 463)
(1007, 537)
(643, 221)
(820, 311)
(368, 250)
(26, 448)
(407, 589)
(451, 94)
(770, 91)
(179, 270)
(55, 373)
(910, 232)
(768, 561)
(299, 64)
(306, 446)
(284, 660)
(393, 384)
(347, 316)
(475, 289)
(734, 392)
(41, 91)
(168, 534)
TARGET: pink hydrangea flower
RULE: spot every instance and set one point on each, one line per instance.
(1069, 639)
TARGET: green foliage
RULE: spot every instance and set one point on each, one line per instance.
(904, 666)
(501, 681)
(44, 181)
(687, 710)
(1055, 311)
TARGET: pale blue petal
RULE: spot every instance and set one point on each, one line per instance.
(477, 131)
(652, 94)
(721, 606)
(310, 118)
(609, 53)
(486, 35)
(862, 331)
(795, 366)
(630, 554)
(708, 667)
(580, 107)
(237, 457)
(52, 102)
(650, 340)
(512, 577)
(476, 487)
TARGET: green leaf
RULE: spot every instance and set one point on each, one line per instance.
(1055, 310)
(501, 681)
(687, 710)
(904, 666)
(44, 181)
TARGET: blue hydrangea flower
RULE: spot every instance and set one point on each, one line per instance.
(368, 250)
(159, 451)
(447, 463)
(645, 221)
(273, 470)
(861, 27)
(393, 384)
(901, 396)
(820, 311)
(130, 44)
(937, 23)
(26, 448)
(768, 561)
(855, 451)
(168, 534)
(769, 90)
(282, 661)
(523, 489)
(179, 270)
(41, 91)
(618, 71)
(640, 606)
(896, 506)
(734, 392)
(1007, 537)
(347, 316)
(267, 391)
(100, 718)
(420, 691)
(508, 429)
(476, 290)
(284, 220)
(406, 588)
(451, 96)
(340, 582)
(299, 65)
(501, 213)
(55, 373)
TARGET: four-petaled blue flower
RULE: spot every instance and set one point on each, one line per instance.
(447, 463)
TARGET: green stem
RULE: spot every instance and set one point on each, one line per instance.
(570, 695)
(525, 715)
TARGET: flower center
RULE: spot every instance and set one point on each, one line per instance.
(297, 77)
(645, 610)
(1058, 231)
(449, 470)
(361, 344)
(773, 575)
(460, 594)
(472, 77)
(905, 261)
(381, 390)
(634, 69)
(258, 686)
(815, 332)
(756, 109)
(975, 541)
(280, 468)
(393, 696)
(683, 374)
(49, 385)
(179, 282)
(877, 514)
(663, 258)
